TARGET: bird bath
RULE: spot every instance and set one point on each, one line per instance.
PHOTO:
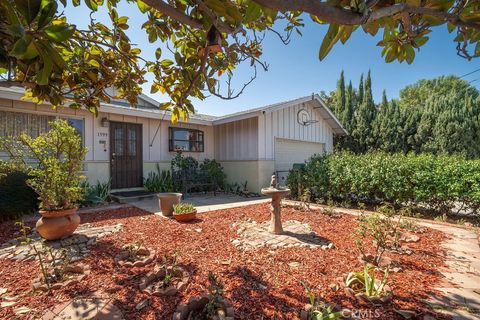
(276, 193)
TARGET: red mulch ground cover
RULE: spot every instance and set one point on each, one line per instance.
(205, 245)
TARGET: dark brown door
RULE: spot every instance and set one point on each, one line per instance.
(126, 164)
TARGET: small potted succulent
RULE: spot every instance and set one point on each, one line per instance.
(57, 156)
(184, 212)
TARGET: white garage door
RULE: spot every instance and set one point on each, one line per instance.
(288, 152)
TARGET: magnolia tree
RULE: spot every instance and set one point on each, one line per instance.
(62, 64)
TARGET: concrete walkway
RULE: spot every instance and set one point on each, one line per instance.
(204, 203)
(461, 288)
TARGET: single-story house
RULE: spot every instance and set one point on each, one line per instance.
(125, 143)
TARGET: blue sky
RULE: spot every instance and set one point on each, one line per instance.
(295, 70)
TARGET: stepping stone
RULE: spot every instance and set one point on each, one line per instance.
(85, 309)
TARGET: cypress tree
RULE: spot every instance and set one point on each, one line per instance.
(340, 98)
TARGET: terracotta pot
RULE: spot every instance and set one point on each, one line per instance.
(184, 217)
(58, 224)
(166, 202)
(58, 213)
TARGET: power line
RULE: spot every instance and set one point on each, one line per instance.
(467, 74)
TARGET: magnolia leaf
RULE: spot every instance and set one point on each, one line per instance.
(158, 53)
(420, 41)
(94, 63)
(92, 4)
(254, 11)
(166, 63)
(330, 39)
(142, 6)
(451, 27)
(16, 30)
(44, 74)
(28, 8)
(135, 51)
(165, 105)
(19, 48)
(47, 12)
(59, 32)
(409, 54)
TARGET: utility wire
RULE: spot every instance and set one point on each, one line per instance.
(467, 74)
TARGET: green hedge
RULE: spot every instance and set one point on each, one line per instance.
(16, 198)
(438, 182)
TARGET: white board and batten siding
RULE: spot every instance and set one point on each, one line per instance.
(237, 140)
(282, 125)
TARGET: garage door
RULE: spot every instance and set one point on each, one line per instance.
(288, 152)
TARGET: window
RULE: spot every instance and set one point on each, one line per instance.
(12, 124)
(78, 124)
(189, 140)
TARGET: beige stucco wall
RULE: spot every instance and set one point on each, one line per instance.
(257, 173)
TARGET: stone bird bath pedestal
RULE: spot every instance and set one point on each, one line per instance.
(277, 193)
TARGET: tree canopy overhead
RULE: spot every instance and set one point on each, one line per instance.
(62, 64)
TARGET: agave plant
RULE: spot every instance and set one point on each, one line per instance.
(362, 282)
(319, 310)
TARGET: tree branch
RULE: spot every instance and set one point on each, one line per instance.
(173, 13)
(329, 13)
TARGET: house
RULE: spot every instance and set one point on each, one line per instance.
(125, 143)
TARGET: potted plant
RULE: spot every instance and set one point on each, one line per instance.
(184, 212)
(167, 200)
(53, 162)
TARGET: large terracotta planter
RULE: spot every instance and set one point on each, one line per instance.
(184, 217)
(57, 224)
(166, 202)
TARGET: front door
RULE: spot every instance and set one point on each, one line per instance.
(126, 164)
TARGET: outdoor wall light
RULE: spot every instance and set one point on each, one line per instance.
(104, 122)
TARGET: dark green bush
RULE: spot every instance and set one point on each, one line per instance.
(437, 182)
(16, 197)
(214, 171)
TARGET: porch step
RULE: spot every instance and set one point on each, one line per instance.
(131, 196)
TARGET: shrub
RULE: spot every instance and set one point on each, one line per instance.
(96, 194)
(16, 197)
(57, 156)
(159, 181)
(438, 182)
(214, 171)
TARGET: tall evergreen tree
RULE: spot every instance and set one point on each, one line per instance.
(340, 98)
(364, 118)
